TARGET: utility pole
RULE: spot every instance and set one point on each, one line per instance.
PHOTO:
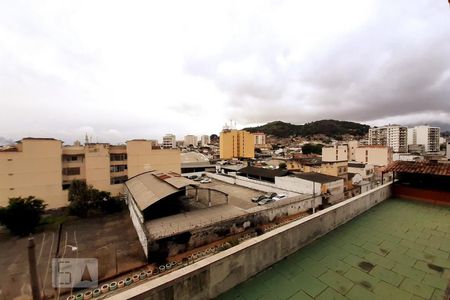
(314, 198)
(34, 281)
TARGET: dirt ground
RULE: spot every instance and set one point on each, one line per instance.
(111, 239)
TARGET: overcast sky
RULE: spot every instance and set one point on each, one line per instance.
(131, 69)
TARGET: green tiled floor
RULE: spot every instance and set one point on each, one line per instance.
(397, 250)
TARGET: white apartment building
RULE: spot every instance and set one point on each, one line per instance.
(169, 141)
(190, 140)
(204, 140)
(426, 136)
(448, 150)
(260, 138)
(394, 136)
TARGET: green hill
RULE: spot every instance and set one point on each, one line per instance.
(331, 128)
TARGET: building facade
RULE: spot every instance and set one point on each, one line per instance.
(335, 153)
(352, 145)
(260, 138)
(169, 141)
(393, 136)
(204, 140)
(236, 144)
(426, 136)
(448, 150)
(374, 155)
(45, 169)
(190, 140)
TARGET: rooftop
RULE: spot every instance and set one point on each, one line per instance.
(266, 173)
(317, 177)
(397, 250)
(193, 157)
(441, 169)
(148, 188)
(356, 165)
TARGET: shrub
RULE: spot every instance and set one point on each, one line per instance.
(86, 200)
(282, 165)
(22, 215)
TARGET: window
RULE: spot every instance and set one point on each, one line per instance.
(119, 180)
(118, 157)
(118, 168)
(71, 171)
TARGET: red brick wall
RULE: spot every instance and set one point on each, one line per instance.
(432, 196)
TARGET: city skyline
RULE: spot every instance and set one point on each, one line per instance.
(143, 70)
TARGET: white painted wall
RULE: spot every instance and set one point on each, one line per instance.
(138, 222)
(298, 185)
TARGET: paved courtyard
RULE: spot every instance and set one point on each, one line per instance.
(397, 250)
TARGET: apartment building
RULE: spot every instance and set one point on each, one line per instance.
(169, 141)
(352, 145)
(335, 161)
(236, 144)
(190, 140)
(45, 169)
(448, 150)
(426, 136)
(335, 153)
(260, 138)
(375, 155)
(204, 140)
(394, 136)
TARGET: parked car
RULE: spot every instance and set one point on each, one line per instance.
(192, 177)
(206, 180)
(279, 197)
(270, 195)
(199, 178)
(265, 201)
(258, 198)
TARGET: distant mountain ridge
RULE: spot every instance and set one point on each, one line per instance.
(331, 128)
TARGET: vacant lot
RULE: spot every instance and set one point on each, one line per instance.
(111, 239)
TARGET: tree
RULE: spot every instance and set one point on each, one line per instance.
(79, 198)
(22, 215)
(282, 165)
(312, 149)
(214, 138)
(85, 199)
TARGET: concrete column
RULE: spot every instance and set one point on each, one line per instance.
(34, 281)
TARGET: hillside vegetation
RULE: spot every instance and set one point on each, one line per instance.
(331, 128)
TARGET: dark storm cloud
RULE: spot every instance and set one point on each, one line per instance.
(395, 67)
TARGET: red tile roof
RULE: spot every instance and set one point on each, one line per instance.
(442, 169)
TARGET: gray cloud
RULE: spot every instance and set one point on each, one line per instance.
(396, 65)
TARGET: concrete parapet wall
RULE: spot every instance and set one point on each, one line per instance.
(214, 275)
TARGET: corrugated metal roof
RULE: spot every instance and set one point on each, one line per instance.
(441, 169)
(148, 188)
